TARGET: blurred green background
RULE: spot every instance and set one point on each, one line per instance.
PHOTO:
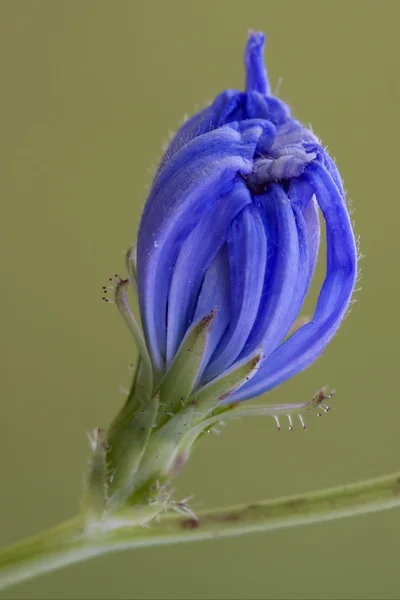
(89, 92)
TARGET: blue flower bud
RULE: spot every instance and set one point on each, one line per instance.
(231, 224)
(226, 251)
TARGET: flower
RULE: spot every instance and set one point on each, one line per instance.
(226, 251)
(231, 224)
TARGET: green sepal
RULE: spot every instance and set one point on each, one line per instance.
(131, 262)
(219, 389)
(121, 301)
(316, 405)
(165, 447)
(171, 444)
(127, 440)
(181, 377)
(95, 494)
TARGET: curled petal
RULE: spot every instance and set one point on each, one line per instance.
(311, 218)
(211, 117)
(289, 133)
(197, 253)
(303, 197)
(283, 269)
(288, 163)
(214, 296)
(304, 346)
(228, 107)
(280, 165)
(247, 251)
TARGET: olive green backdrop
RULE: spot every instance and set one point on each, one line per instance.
(89, 90)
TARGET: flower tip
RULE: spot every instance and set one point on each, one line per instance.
(256, 75)
(256, 39)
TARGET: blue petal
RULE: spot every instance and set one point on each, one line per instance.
(304, 346)
(256, 74)
(291, 132)
(332, 170)
(311, 217)
(253, 105)
(283, 164)
(302, 196)
(211, 117)
(306, 267)
(247, 249)
(230, 106)
(214, 295)
(324, 158)
(187, 187)
(195, 256)
(283, 269)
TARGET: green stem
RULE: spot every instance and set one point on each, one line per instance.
(70, 542)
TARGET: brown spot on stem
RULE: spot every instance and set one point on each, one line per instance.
(190, 523)
(295, 503)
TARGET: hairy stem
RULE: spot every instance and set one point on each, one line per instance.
(72, 542)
